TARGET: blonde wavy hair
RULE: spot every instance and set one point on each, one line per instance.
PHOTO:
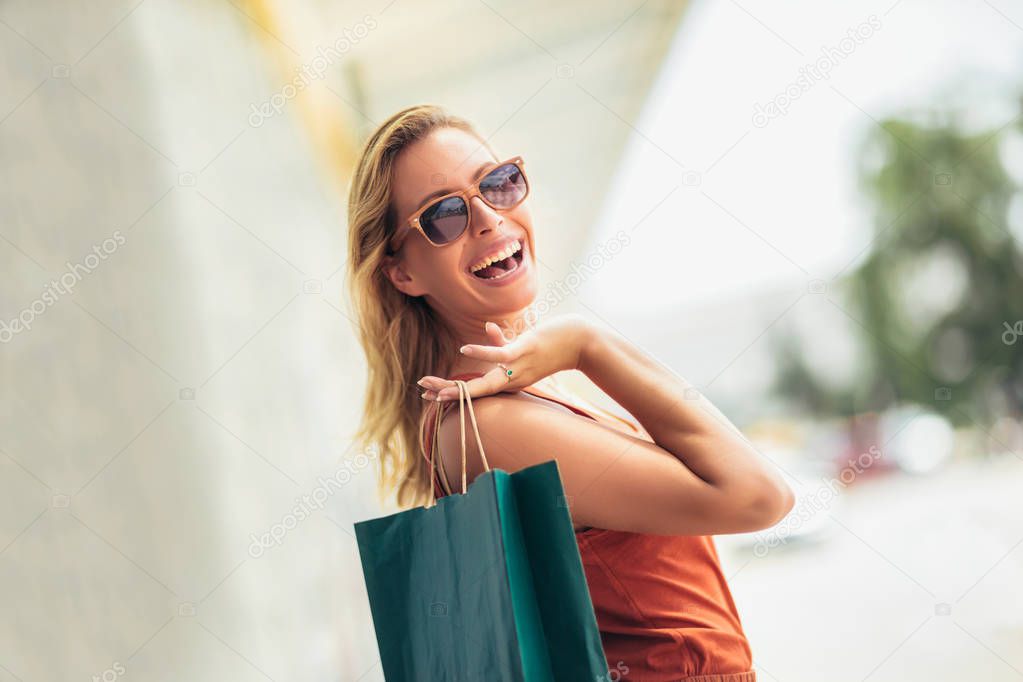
(403, 338)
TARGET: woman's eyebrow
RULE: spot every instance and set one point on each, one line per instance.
(442, 192)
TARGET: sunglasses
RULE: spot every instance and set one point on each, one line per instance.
(503, 186)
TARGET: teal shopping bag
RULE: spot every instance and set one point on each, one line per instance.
(486, 585)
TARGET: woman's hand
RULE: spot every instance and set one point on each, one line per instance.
(550, 347)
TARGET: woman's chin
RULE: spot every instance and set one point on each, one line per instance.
(513, 296)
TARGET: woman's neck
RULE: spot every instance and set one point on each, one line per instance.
(472, 331)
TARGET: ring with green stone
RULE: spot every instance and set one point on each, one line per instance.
(507, 372)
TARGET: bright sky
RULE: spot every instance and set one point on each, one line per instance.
(792, 181)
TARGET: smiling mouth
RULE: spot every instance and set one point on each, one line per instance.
(501, 268)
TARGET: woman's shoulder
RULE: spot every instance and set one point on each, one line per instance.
(497, 417)
(496, 410)
(550, 393)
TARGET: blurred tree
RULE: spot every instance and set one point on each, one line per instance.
(940, 287)
(797, 382)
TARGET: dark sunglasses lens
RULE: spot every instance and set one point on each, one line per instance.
(505, 186)
(444, 221)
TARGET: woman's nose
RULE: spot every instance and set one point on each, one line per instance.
(484, 218)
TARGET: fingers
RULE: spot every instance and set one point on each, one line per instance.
(491, 353)
(494, 381)
(495, 334)
(433, 385)
(500, 350)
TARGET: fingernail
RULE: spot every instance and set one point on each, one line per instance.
(419, 383)
(463, 349)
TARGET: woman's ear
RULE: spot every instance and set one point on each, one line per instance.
(395, 270)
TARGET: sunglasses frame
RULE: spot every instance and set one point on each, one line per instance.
(467, 194)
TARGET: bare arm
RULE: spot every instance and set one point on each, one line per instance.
(699, 476)
(685, 424)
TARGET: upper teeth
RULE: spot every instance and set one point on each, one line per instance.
(509, 250)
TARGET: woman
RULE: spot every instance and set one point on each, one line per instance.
(440, 245)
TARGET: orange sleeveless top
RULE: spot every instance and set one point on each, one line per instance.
(663, 607)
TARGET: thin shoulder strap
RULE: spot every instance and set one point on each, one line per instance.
(578, 404)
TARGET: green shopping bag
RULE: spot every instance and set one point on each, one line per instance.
(485, 585)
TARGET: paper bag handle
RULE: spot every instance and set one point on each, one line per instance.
(463, 394)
